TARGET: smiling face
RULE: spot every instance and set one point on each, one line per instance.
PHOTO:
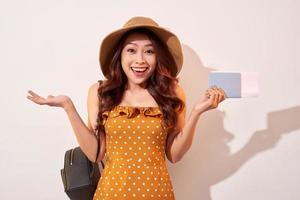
(138, 59)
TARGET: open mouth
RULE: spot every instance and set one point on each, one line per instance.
(139, 70)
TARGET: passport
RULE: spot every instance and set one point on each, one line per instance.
(235, 84)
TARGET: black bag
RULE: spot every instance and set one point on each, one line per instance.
(80, 176)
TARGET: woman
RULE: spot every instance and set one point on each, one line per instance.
(138, 111)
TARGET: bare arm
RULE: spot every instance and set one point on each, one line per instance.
(85, 134)
(85, 138)
(179, 142)
(182, 142)
(93, 109)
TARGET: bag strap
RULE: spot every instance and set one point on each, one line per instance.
(98, 139)
(98, 148)
(98, 151)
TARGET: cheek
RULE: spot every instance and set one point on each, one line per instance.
(122, 57)
(153, 61)
(153, 65)
(124, 61)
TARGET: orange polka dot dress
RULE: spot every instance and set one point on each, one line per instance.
(135, 156)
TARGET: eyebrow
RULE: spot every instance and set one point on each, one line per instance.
(149, 44)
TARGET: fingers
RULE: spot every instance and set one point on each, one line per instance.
(216, 97)
(222, 94)
(207, 93)
(212, 96)
(216, 94)
(35, 98)
(32, 93)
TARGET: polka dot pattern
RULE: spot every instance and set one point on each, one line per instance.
(135, 156)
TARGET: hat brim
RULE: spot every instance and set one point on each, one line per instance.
(112, 39)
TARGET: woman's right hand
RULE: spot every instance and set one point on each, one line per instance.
(58, 101)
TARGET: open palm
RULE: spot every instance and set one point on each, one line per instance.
(58, 101)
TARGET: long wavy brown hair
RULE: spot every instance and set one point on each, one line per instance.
(161, 84)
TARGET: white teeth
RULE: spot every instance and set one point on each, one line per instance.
(139, 69)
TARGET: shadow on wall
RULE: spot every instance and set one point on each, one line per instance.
(193, 178)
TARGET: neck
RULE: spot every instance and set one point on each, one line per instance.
(136, 87)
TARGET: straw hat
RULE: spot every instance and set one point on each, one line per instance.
(169, 38)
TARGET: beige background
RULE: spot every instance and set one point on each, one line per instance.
(246, 149)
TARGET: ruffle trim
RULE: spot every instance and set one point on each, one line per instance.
(131, 111)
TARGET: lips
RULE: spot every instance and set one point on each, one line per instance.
(139, 69)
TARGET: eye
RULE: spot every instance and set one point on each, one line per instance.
(130, 50)
(150, 51)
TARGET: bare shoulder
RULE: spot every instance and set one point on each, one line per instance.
(92, 105)
(93, 92)
(94, 87)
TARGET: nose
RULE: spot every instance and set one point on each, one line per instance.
(139, 58)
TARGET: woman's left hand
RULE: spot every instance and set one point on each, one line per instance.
(210, 99)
